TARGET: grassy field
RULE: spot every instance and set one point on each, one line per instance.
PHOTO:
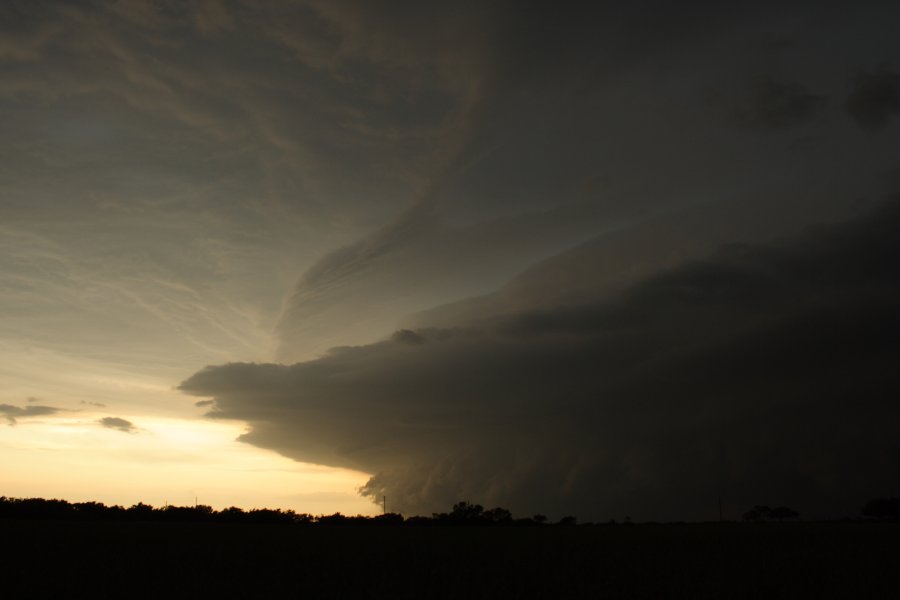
(57, 559)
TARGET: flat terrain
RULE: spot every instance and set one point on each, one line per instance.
(108, 559)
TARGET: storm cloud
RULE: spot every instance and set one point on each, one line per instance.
(875, 99)
(721, 118)
(777, 105)
(520, 253)
(758, 372)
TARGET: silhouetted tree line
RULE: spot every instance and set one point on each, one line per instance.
(462, 514)
(883, 508)
(39, 508)
(764, 513)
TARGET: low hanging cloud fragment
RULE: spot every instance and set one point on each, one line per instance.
(118, 424)
(13, 413)
(757, 373)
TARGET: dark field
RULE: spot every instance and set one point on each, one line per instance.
(58, 559)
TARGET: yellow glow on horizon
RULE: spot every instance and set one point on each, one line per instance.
(166, 460)
(173, 455)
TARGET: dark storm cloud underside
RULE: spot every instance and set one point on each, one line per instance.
(575, 108)
(761, 373)
(513, 130)
(875, 99)
(778, 105)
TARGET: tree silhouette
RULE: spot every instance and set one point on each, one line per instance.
(759, 512)
(140, 511)
(462, 513)
(497, 515)
(882, 508)
(231, 514)
(783, 512)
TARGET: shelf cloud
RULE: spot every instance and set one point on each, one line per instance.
(754, 372)
(600, 258)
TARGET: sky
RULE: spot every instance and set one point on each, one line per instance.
(604, 259)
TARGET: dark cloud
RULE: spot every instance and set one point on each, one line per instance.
(171, 167)
(117, 424)
(202, 403)
(760, 372)
(97, 404)
(12, 413)
(219, 147)
(408, 336)
(875, 99)
(777, 105)
(598, 120)
(360, 290)
(610, 263)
